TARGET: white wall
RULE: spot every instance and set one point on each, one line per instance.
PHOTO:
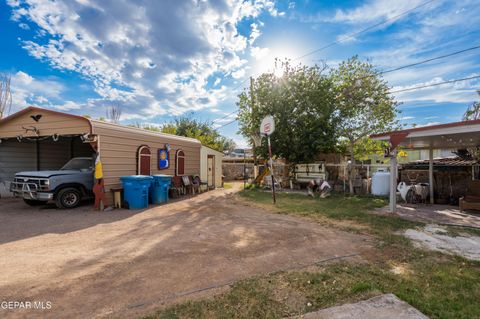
(437, 153)
(204, 152)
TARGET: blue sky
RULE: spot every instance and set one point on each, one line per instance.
(161, 59)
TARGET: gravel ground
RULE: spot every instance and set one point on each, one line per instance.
(127, 263)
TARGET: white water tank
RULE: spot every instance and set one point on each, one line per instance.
(381, 183)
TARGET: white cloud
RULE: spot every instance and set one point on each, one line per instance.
(378, 9)
(259, 53)
(254, 34)
(154, 57)
(28, 90)
(460, 92)
(68, 106)
(41, 99)
(238, 74)
(428, 124)
(406, 118)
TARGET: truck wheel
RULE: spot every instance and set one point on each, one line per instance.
(33, 202)
(68, 198)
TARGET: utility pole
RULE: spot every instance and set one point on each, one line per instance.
(254, 146)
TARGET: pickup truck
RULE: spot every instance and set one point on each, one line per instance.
(66, 187)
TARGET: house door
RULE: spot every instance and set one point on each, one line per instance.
(211, 171)
(144, 156)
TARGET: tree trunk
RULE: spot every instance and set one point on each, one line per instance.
(351, 169)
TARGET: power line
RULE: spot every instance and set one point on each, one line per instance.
(396, 69)
(403, 90)
(352, 35)
(340, 41)
(434, 84)
(431, 59)
(227, 124)
(225, 116)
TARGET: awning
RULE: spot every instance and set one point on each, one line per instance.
(456, 135)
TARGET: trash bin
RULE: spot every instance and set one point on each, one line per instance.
(135, 190)
(159, 188)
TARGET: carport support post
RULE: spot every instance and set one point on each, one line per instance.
(393, 182)
(430, 175)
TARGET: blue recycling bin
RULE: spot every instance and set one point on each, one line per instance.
(159, 188)
(135, 190)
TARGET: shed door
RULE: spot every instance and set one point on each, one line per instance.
(211, 170)
(144, 156)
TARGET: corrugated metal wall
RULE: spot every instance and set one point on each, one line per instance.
(18, 156)
(15, 157)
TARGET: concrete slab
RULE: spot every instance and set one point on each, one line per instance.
(437, 214)
(436, 238)
(386, 306)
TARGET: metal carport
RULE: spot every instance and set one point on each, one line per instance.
(37, 139)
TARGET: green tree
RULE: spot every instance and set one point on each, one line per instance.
(189, 127)
(302, 104)
(202, 131)
(363, 105)
(364, 148)
(473, 111)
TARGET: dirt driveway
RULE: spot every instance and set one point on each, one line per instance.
(127, 263)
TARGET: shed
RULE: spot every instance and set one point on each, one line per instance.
(211, 166)
(39, 139)
(451, 176)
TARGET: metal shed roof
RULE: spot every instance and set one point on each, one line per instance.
(96, 124)
(450, 135)
(446, 161)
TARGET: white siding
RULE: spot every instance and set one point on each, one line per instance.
(204, 152)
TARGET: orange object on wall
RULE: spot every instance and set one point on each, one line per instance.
(100, 197)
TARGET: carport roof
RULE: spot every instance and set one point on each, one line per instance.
(443, 136)
(99, 124)
(34, 108)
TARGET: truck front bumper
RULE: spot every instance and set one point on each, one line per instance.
(34, 195)
(29, 191)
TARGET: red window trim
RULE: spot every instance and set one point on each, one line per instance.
(180, 154)
(140, 154)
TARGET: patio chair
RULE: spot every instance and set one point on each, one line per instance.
(202, 186)
(189, 185)
(176, 188)
(472, 199)
(195, 184)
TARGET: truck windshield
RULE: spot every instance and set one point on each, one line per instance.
(79, 164)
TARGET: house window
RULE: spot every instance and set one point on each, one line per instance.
(180, 163)
(144, 156)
